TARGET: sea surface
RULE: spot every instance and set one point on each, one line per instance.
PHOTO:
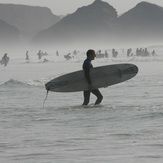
(127, 127)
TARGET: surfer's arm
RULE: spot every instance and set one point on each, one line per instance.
(87, 75)
(86, 67)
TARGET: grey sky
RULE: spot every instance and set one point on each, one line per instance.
(63, 7)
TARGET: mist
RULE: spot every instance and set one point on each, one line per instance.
(96, 26)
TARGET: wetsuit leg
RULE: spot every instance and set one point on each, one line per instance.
(86, 97)
(99, 96)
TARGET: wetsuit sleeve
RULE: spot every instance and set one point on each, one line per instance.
(87, 75)
(86, 67)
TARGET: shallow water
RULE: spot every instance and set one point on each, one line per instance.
(127, 127)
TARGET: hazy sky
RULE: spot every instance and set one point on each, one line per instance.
(63, 7)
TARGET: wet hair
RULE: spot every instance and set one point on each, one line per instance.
(90, 52)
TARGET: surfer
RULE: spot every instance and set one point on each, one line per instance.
(5, 59)
(39, 54)
(86, 67)
(27, 56)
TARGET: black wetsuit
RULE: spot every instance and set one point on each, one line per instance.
(86, 67)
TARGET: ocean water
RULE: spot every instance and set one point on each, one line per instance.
(126, 128)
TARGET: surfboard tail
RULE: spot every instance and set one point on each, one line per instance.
(47, 87)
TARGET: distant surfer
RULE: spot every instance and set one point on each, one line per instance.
(114, 53)
(57, 53)
(27, 56)
(87, 65)
(68, 56)
(39, 54)
(153, 53)
(5, 60)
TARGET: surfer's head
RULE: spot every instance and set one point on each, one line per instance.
(91, 54)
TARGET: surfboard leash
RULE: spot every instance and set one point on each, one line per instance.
(46, 97)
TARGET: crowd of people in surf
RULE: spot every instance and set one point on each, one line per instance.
(129, 53)
(40, 54)
(143, 52)
(99, 54)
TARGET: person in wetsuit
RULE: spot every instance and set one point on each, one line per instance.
(87, 65)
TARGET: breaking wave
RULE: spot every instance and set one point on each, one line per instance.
(17, 83)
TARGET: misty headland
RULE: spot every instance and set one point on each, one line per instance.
(97, 24)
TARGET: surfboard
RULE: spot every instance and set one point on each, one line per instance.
(102, 76)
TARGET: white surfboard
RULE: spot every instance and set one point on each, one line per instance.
(100, 76)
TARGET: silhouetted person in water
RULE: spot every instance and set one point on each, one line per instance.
(5, 60)
(27, 56)
(87, 65)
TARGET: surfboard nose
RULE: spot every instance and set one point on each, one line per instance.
(47, 86)
(135, 69)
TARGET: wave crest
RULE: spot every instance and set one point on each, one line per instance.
(13, 82)
(17, 83)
